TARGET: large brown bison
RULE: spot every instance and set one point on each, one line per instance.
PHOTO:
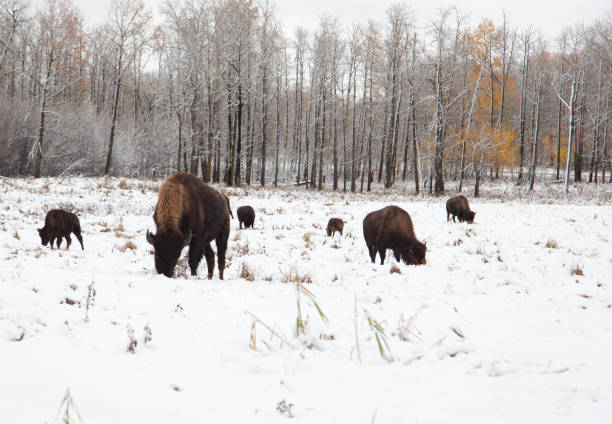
(460, 207)
(246, 216)
(391, 228)
(59, 224)
(189, 212)
(333, 225)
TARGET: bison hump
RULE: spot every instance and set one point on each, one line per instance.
(169, 207)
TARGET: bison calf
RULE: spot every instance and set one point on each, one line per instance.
(459, 207)
(246, 216)
(335, 224)
(391, 228)
(59, 224)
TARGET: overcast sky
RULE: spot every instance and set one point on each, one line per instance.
(548, 15)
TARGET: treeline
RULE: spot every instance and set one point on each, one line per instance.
(218, 89)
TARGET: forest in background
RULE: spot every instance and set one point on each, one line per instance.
(217, 88)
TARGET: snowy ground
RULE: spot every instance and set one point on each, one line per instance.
(509, 321)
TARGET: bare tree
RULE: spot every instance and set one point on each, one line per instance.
(129, 33)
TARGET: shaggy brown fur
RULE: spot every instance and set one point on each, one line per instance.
(335, 224)
(59, 224)
(246, 216)
(460, 207)
(189, 212)
(391, 228)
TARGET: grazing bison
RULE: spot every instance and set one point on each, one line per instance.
(335, 224)
(59, 224)
(460, 207)
(391, 228)
(189, 212)
(246, 215)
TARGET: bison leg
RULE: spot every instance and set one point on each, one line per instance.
(221, 248)
(79, 238)
(382, 253)
(195, 255)
(372, 250)
(59, 241)
(454, 218)
(210, 259)
(447, 216)
(68, 241)
(397, 255)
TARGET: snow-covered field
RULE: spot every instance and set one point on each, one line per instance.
(510, 320)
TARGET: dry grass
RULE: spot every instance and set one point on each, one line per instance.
(242, 249)
(120, 227)
(307, 239)
(246, 273)
(182, 268)
(395, 269)
(129, 245)
(551, 244)
(576, 270)
(294, 276)
(16, 235)
(123, 185)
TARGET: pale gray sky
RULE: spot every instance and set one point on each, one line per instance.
(548, 15)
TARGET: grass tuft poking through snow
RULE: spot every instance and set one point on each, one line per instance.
(551, 244)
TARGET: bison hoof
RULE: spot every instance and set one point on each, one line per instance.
(210, 276)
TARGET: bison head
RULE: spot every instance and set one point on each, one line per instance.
(44, 236)
(469, 217)
(168, 247)
(329, 231)
(415, 254)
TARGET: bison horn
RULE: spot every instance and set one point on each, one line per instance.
(150, 238)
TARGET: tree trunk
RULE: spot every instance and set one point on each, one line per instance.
(415, 145)
(111, 140)
(238, 175)
(264, 125)
(525, 72)
(571, 132)
(536, 134)
(277, 132)
(467, 132)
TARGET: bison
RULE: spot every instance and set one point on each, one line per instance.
(59, 224)
(246, 216)
(391, 228)
(189, 212)
(335, 224)
(460, 207)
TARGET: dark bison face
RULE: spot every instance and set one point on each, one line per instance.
(168, 249)
(329, 231)
(44, 236)
(470, 217)
(415, 254)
